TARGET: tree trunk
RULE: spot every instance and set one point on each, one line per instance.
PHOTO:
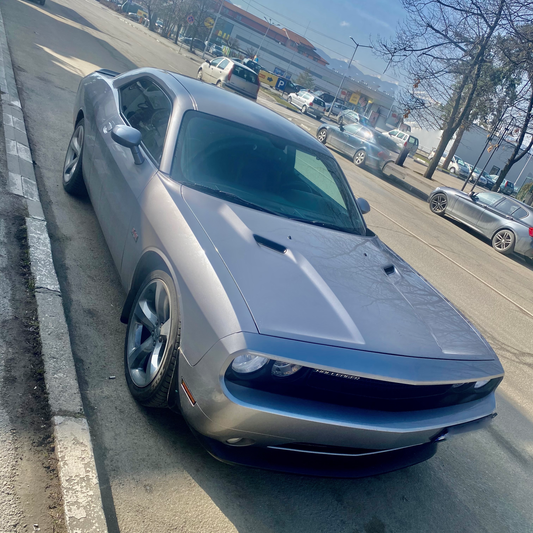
(455, 145)
(434, 163)
(514, 156)
(178, 29)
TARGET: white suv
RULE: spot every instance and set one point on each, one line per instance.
(308, 103)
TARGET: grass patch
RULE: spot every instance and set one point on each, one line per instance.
(422, 158)
(279, 100)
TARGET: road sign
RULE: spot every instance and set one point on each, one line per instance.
(280, 85)
(190, 19)
(209, 23)
(268, 78)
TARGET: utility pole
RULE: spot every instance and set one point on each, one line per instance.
(213, 28)
(357, 45)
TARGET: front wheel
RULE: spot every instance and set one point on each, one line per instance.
(504, 241)
(322, 135)
(438, 203)
(200, 74)
(72, 168)
(152, 340)
(359, 158)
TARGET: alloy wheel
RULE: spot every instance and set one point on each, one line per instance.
(503, 240)
(322, 136)
(359, 157)
(149, 333)
(438, 203)
(73, 153)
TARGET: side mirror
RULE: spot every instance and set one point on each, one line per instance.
(364, 206)
(341, 126)
(129, 138)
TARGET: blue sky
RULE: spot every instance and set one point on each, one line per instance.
(331, 22)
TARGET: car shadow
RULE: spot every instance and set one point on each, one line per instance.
(518, 259)
(425, 495)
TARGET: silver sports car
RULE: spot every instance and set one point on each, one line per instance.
(507, 222)
(258, 303)
(364, 146)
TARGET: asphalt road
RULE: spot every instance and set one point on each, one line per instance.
(155, 477)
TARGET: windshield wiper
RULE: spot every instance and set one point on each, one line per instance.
(229, 196)
(324, 225)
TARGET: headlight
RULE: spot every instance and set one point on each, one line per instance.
(244, 364)
(282, 370)
(482, 383)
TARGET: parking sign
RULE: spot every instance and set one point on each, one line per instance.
(280, 85)
(190, 19)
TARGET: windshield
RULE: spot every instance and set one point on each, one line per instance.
(255, 169)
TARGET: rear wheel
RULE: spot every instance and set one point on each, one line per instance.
(359, 158)
(504, 241)
(322, 135)
(452, 170)
(218, 83)
(438, 203)
(72, 169)
(152, 340)
(304, 110)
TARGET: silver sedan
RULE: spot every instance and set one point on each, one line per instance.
(259, 305)
(364, 146)
(507, 222)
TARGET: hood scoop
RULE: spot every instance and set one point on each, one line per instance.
(267, 243)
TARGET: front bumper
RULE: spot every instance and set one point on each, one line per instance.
(222, 410)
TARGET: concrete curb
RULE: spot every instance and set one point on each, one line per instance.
(77, 468)
(396, 175)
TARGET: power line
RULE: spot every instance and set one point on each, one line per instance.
(394, 81)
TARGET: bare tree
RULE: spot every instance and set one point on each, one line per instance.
(443, 46)
(518, 52)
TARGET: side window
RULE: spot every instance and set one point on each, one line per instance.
(508, 207)
(216, 61)
(147, 108)
(353, 128)
(223, 64)
(393, 133)
(488, 198)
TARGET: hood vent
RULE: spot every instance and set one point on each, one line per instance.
(267, 243)
(389, 270)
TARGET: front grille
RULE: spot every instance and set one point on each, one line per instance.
(354, 391)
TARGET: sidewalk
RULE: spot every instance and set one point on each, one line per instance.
(34, 342)
(411, 178)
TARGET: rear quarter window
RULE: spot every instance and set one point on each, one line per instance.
(320, 102)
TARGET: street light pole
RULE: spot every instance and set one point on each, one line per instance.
(270, 23)
(213, 28)
(357, 45)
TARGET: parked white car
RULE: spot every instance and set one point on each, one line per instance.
(403, 139)
(457, 165)
(307, 103)
(230, 75)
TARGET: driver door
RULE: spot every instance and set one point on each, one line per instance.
(469, 210)
(144, 106)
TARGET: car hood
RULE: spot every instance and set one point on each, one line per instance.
(333, 288)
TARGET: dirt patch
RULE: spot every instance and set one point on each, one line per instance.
(24, 396)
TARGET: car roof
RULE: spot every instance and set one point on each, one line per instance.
(224, 104)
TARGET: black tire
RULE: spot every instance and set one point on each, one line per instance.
(72, 168)
(359, 158)
(322, 135)
(153, 392)
(290, 100)
(503, 241)
(452, 170)
(438, 203)
(304, 110)
(218, 84)
(199, 74)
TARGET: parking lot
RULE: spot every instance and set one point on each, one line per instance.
(154, 475)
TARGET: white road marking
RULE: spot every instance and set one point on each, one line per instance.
(456, 263)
